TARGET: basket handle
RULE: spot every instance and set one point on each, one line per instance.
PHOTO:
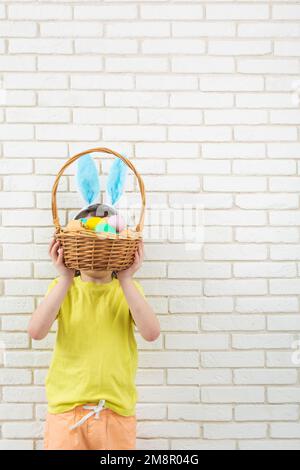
(140, 224)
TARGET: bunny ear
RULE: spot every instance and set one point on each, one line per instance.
(116, 180)
(87, 178)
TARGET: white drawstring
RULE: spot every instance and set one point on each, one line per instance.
(95, 411)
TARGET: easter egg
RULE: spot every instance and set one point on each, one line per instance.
(105, 227)
(91, 222)
(117, 221)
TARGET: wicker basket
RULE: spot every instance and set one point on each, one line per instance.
(84, 249)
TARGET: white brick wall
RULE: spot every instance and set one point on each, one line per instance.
(200, 96)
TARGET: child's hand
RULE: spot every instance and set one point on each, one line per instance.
(138, 260)
(57, 256)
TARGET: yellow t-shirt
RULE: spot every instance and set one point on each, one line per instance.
(95, 355)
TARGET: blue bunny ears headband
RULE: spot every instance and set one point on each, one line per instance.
(88, 182)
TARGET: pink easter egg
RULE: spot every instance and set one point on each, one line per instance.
(117, 222)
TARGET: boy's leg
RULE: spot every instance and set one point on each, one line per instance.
(59, 436)
(121, 431)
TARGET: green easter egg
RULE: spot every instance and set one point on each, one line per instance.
(102, 227)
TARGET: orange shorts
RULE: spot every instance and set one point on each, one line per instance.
(111, 431)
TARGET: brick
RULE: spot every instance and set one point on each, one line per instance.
(70, 98)
(10, 376)
(232, 322)
(201, 304)
(199, 99)
(203, 65)
(267, 201)
(168, 359)
(102, 82)
(199, 270)
(232, 11)
(37, 115)
(234, 184)
(263, 341)
(203, 29)
(280, 359)
(268, 29)
(265, 133)
(266, 304)
(23, 430)
(170, 116)
(284, 395)
(264, 377)
(173, 46)
(236, 47)
(137, 29)
(200, 377)
(171, 12)
(233, 252)
(199, 133)
(233, 359)
(134, 133)
(39, 12)
(158, 429)
(236, 116)
(234, 217)
(268, 270)
(200, 412)
(264, 100)
(233, 150)
(17, 444)
(66, 132)
(235, 430)
(284, 322)
(105, 12)
(27, 359)
(166, 82)
(71, 29)
(285, 430)
(69, 63)
(194, 341)
(106, 46)
(40, 46)
(138, 64)
(16, 304)
(15, 412)
(38, 80)
(168, 394)
(286, 12)
(235, 287)
(18, 29)
(232, 394)
(268, 66)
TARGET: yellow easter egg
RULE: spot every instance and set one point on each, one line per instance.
(92, 222)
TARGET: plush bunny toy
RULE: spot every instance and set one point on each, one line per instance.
(102, 218)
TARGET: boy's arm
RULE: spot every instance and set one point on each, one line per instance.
(46, 312)
(144, 317)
